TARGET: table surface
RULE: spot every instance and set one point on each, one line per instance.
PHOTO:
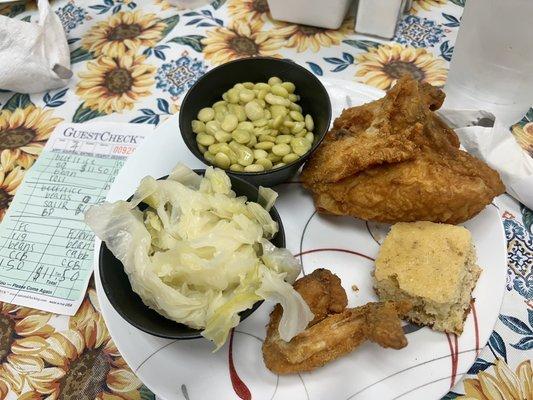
(132, 62)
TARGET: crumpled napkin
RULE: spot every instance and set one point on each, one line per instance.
(496, 145)
(34, 57)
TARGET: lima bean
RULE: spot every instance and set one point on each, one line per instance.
(205, 139)
(236, 167)
(253, 111)
(206, 114)
(281, 149)
(222, 160)
(290, 158)
(254, 168)
(265, 162)
(198, 126)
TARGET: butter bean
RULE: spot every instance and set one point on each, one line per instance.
(212, 127)
(258, 153)
(206, 114)
(290, 158)
(254, 168)
(295, 107)
(233, 96)
(309, 123)
(274, 80)
(253, 111)
(310, 137)
(279, 165)
(236, 168)
(281, 149)
(210, 157)
(267, 138)
(264, 145)
(245, 156)
(265, 162)
(273, 158)
(230, 123)
(248, 85)
(262, 86)
(298, 127)
(204, 139)
(261, 122)
(300, 146)
(277, 100)
(197, 126)
(246, 95)
(296, 116)
(283, 139)
(279, 90)
(202, 148)
(289, 86)
(246, 125)
(241, 136)
(222, 137)
(222, 160)
(276, 110)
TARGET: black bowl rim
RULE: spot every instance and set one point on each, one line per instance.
(194, 334)
(247, 59)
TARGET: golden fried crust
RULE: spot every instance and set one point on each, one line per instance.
(426, 177)
(323, 292)
(334, 337)
(335, 330)
(375, 133)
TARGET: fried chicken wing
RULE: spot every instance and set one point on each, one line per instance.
(335, 331)
(323, 292)
(395, 160)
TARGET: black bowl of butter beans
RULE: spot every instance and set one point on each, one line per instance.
(257, 118)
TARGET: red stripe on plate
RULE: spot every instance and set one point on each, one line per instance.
(238, 385)
(334, 249)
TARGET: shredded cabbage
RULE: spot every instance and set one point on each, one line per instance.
(199, 254)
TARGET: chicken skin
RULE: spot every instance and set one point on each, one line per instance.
(335, 331)
(394, 160)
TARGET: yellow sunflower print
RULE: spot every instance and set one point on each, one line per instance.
(249, 9)
(24, 132)
(115, 84)
(524, 136)
(17, 325)
(303, 37)
(382, 66)
(240, 39)
(9, 183)
(165, 5)
(123, 32)
(82, 362)
(419, 5)
(504, 384)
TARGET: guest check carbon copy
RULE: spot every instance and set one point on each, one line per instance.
(46, 249)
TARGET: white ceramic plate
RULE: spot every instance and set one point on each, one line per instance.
(425, 369)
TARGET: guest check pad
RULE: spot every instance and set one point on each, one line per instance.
(46, 249)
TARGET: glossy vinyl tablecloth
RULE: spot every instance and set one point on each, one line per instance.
(132, 62)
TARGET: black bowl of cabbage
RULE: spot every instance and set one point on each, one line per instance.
(129, 304)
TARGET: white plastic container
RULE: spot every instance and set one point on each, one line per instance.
(322, 13)
(492, 63)
(379, 17)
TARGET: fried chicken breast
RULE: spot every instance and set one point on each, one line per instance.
(335, 331)
(395, 160)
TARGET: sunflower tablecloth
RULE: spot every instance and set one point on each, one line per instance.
(132, 61)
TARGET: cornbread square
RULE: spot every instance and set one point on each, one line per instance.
(434, 267)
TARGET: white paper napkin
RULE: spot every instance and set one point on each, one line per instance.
(497, 147)
(34, 57)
